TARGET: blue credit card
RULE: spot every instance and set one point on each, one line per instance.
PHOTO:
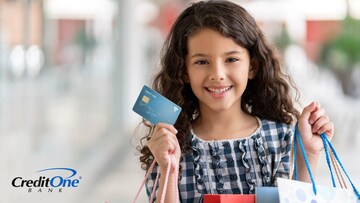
(156, 108)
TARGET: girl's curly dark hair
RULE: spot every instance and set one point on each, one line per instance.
(267, 95)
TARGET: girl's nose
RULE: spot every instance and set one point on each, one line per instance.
(217, 73)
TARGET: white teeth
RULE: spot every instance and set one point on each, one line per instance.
(218, 91)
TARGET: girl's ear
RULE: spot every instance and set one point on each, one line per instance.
(254, 66)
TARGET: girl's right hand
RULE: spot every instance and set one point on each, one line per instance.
(163, 144)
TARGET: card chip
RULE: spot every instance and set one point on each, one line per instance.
(145, 99)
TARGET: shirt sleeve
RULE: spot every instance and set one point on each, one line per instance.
(282, 168)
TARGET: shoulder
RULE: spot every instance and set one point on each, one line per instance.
(277, 136)
(273, 126)
(276, 130)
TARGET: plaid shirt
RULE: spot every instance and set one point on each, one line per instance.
(234, 166)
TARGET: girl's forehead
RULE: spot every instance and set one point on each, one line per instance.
(211, 40)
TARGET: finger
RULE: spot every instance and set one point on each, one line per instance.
(316, 115)
(164, 148)
(305, 115)
(173, 139)
(319, 123)
(163, 145)
(161, 150)
(159, 133)
(167, 126)
(163, 133)
(328, 129)
(167, 145)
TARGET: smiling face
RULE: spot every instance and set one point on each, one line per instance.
(218, 70)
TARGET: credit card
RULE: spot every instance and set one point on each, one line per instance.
(156, 108)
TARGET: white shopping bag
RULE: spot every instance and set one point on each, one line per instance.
(291, 191)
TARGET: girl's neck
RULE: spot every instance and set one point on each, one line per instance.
(224, 125)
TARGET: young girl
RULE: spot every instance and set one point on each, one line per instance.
(236, 129)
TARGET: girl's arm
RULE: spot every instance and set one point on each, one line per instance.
(165, 147)
(312, 122)
(171, 195)
(303, 174)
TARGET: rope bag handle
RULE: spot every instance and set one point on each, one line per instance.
(327, 143)
(172, 164)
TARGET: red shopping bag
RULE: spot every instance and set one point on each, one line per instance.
(229, 198)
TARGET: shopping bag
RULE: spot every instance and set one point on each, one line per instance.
(297, 191)
(291, 191)
(229, 198)
(266, 195)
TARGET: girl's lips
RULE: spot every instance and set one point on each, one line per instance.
(218, 92)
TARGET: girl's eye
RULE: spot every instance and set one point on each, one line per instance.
(201, 62)
(231, 60)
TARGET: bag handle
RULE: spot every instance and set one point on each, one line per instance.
(326, 142)
(338, 172)
(172, 164)
(328, 160)
(324, 137)
(296, 138)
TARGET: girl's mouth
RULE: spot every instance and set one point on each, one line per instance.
(218, 91)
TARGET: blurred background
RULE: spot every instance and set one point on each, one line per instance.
(70, 72)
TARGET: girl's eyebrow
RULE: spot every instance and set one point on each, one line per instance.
(234, 52)
(225, 54)
(198, 55)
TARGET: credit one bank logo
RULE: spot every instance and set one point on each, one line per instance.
(53, 183)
